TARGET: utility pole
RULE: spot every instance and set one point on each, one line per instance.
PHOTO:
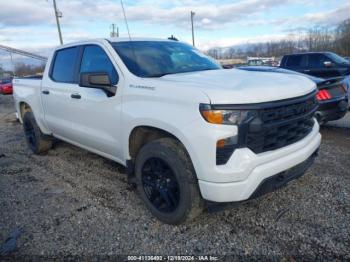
(13, 65)
(113, 33)
(192, 15)
(58, 15)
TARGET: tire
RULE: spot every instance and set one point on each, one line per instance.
(36, 140)
(167, 183)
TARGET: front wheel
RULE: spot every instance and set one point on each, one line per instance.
(166, 181)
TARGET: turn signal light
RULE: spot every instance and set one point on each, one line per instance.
(220, 143)
(224, 149)
(214, 117)
(323, 95)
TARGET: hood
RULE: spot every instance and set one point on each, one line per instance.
(233, 86)
(279, 70)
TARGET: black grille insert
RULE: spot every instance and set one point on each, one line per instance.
(276, 127)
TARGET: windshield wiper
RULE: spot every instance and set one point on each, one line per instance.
(158, 75)
(208, 69)
(180, 72)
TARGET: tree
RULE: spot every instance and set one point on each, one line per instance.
(342, 38)
(22, 69)
(317, 38)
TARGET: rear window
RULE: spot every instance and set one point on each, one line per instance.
(64, 65)
(295, 61)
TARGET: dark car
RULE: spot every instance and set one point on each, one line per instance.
(332, 93)
(6, 86)
(320, 64)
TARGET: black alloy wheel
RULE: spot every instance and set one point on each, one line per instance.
(160, 185)
(166, 181)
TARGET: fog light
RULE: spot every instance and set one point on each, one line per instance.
(224, 149)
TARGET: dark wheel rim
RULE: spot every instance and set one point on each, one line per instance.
(160, 185)
(30, 134)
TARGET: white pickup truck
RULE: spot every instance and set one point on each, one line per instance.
(191, 134)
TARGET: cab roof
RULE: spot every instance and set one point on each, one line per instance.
(114, 40)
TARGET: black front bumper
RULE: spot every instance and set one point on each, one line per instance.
(270, 184)
(332, 110)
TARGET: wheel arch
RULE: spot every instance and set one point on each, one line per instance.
(23, 108)
(143, 134)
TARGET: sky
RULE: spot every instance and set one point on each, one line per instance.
(31, 25)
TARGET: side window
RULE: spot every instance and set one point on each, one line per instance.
(317, 60)
(295, 61)
(63, 69)
(95, 60)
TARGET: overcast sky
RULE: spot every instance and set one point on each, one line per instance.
(30, 24)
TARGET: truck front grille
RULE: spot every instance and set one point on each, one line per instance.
(272, 125)
(279, 136)
(280, 124)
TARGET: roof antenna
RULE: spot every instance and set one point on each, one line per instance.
(127, 27)
(126, 20)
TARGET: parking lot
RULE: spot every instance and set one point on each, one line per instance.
(74, 203)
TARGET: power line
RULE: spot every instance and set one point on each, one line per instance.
(24, 53)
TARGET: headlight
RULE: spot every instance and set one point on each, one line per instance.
(224, 117)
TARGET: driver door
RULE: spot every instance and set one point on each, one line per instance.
(93, 114)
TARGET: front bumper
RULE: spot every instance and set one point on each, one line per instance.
(280, 180)
(257, 168)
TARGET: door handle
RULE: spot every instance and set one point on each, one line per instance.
(75, 96)
(45, 92)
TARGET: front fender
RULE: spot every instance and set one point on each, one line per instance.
(164, 126)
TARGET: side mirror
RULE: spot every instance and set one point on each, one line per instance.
(98, 80)
(327, 64)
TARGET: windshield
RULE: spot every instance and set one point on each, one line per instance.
(158, 58)
(337, 59)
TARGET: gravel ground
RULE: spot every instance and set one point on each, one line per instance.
(73, 203)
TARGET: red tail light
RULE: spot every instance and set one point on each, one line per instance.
(323, 95)
(7, 89)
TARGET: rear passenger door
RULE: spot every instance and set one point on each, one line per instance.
(296, 63)
(57, 88)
